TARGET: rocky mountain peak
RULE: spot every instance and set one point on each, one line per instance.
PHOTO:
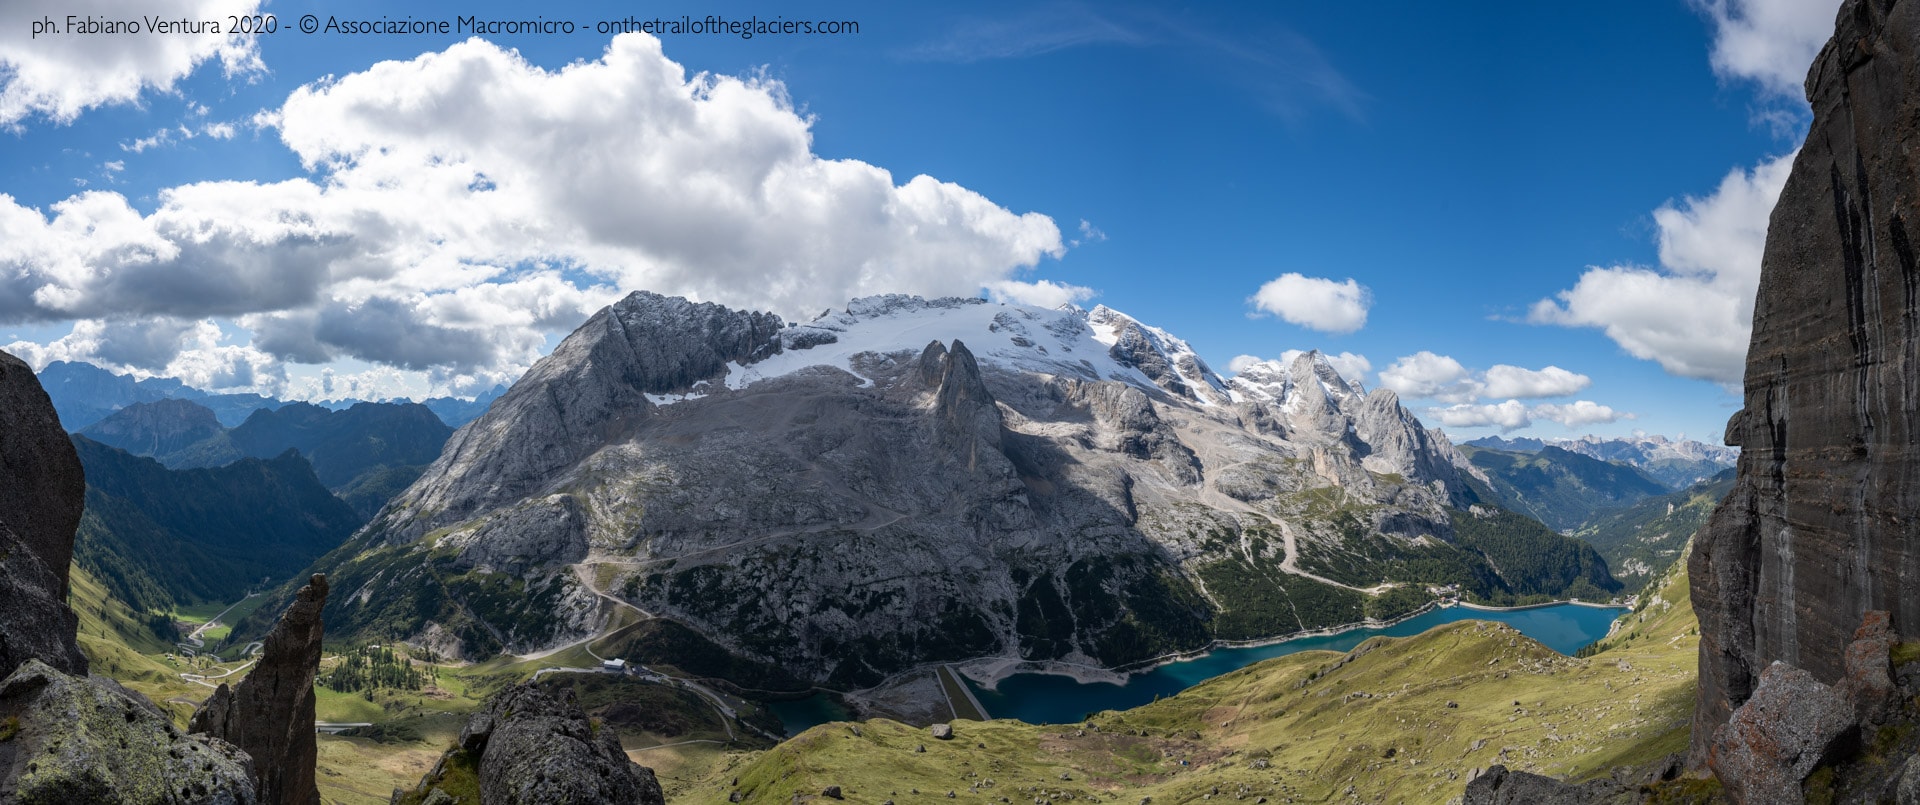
(916, 477)
(1168, 361)
(1281, 381)
(963, 404)
(932, 364)
(672, 343)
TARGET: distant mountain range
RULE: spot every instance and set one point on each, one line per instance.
(1561, 488)
(364, 453)
(84, 394)
(1676, 463)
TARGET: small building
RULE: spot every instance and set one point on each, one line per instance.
(615, 665)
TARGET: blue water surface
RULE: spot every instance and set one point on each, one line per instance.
(1056, 699)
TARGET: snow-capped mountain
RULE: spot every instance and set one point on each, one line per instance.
(907, 480)
(1678, 463)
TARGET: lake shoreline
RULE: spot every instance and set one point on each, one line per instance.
(988, 672)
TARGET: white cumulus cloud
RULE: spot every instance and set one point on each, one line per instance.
(1315, 303)
(60, 75)
(1426, 375)
(1513, 415)
(1578, 413)
(1507, 416)
(1513, 381)
(1770, 42)
(1694, 314)
(466, 204)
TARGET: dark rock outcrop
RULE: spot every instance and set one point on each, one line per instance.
(1869, 684)
(529, 748)
(270, 713)
(1819, 528)
(42, 491)
(74, 739)
(1498, 786)
(964, 407)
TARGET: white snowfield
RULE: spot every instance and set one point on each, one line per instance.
(1064, 342)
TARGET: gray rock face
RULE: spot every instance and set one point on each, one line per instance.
(269, 715)
(1869, 682)
(1819, 527)
(846, 499)
(42, 490)
(1790, 725)
(1169, 362)
(87, 740)
(1907, 788)
(1396, 443)
(534, 749)
(591, 390)
(1498, 786)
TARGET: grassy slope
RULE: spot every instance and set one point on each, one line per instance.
(118, 646)
(1376, 719)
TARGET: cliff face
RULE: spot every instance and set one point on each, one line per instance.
(42, 490)
(1821, 526)
(270, 713)
(65, 736)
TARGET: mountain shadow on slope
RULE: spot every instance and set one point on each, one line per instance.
(342, 445)
(158, 537)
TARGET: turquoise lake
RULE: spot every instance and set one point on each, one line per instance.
(1055, 699)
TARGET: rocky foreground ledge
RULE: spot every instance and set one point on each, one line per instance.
(1797, 739)
(529, 747)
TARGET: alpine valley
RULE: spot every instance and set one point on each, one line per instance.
(909, 481)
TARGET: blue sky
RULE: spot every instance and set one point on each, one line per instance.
(1456, 200)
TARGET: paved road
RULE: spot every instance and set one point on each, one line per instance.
(1291, 565)
(194, 636)
(200, 679)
